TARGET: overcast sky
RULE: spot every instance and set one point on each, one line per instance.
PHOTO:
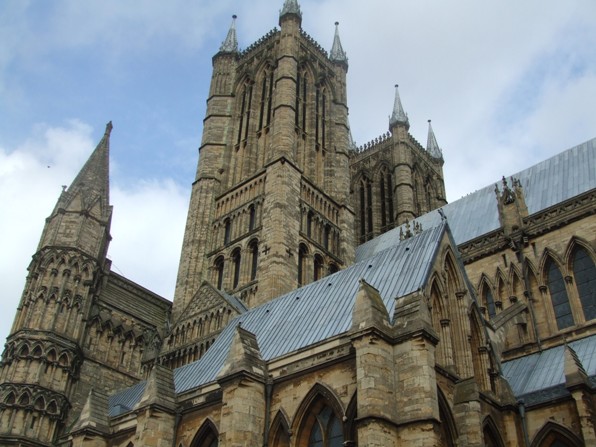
(507, 83)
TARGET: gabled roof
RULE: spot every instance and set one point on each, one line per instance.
(545, 184)
(321, 310)
(312, 314)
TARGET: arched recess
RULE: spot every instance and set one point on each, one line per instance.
(488, 301)
(302, 270)
(279, 434)
(448, 429)
(318, 422)
(558, 293)
(555, 435)
(584, 273)
(490, 432)
(207, 436)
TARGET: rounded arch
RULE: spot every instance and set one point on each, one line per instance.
(490, 433)
(207, 435)
(319, 417)
(552, 432)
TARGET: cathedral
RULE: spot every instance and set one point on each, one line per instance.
(327, 294)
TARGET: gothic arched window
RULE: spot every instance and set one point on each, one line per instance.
(489, 301)
(254, 251)
(559, 297)
(251, 217)
(227, 231)
(206, 436)
(326, 431)
(585, 280)
(318, 268)
(236, 259)
(302, 253)
(219, 269)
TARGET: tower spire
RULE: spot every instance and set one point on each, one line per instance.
(290, 7)
(432, 146)
(93, 180)
(337, 53)
(230, 45)
(398, 116)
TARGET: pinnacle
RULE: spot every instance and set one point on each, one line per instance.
(230, 45)
(337, 53)
(290, 7)
(398, 116)
(432, 146)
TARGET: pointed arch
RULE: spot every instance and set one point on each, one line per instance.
(207, 435)
(448, 428)
(491, 435)
(558, 293)
(486, 296)
(302, 256)
(53, 407)
(10, 398)
(279, 434)
(237, 262)
(40, 403)
(515, 280)
(584, 273)
(553, 434)
(318, 419)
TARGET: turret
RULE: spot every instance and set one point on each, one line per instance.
(43, 354)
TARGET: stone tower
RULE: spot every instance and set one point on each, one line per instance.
(394, 178)
(41, 366)
(270, 206)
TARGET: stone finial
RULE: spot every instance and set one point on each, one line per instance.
(337, 53)
(290, 7)
(94, 414)
(369, 309)
(432, 147)
(230, 45)
(398, 116)
(159, 390)
(244, 356)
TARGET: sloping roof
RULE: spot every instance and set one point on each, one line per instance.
(542, 374)
(323, 309)
(311, 314)
(126, 399)
(552, 181)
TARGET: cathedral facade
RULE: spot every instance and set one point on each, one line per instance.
(327, 294)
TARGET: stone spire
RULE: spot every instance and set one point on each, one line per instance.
(337, 53)
(92, 182)
(290, 7)
(432, 146)
(230, 45)
(398, 116)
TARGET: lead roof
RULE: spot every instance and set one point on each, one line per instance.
(545, 184)
(323, 310)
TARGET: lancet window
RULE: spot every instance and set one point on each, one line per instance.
(559, 297)
(584, 273)
(366, 210)
(266, 99)
(301, 100)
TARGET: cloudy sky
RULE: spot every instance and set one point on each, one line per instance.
(507, 83)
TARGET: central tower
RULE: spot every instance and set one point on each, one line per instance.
(270, 207)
